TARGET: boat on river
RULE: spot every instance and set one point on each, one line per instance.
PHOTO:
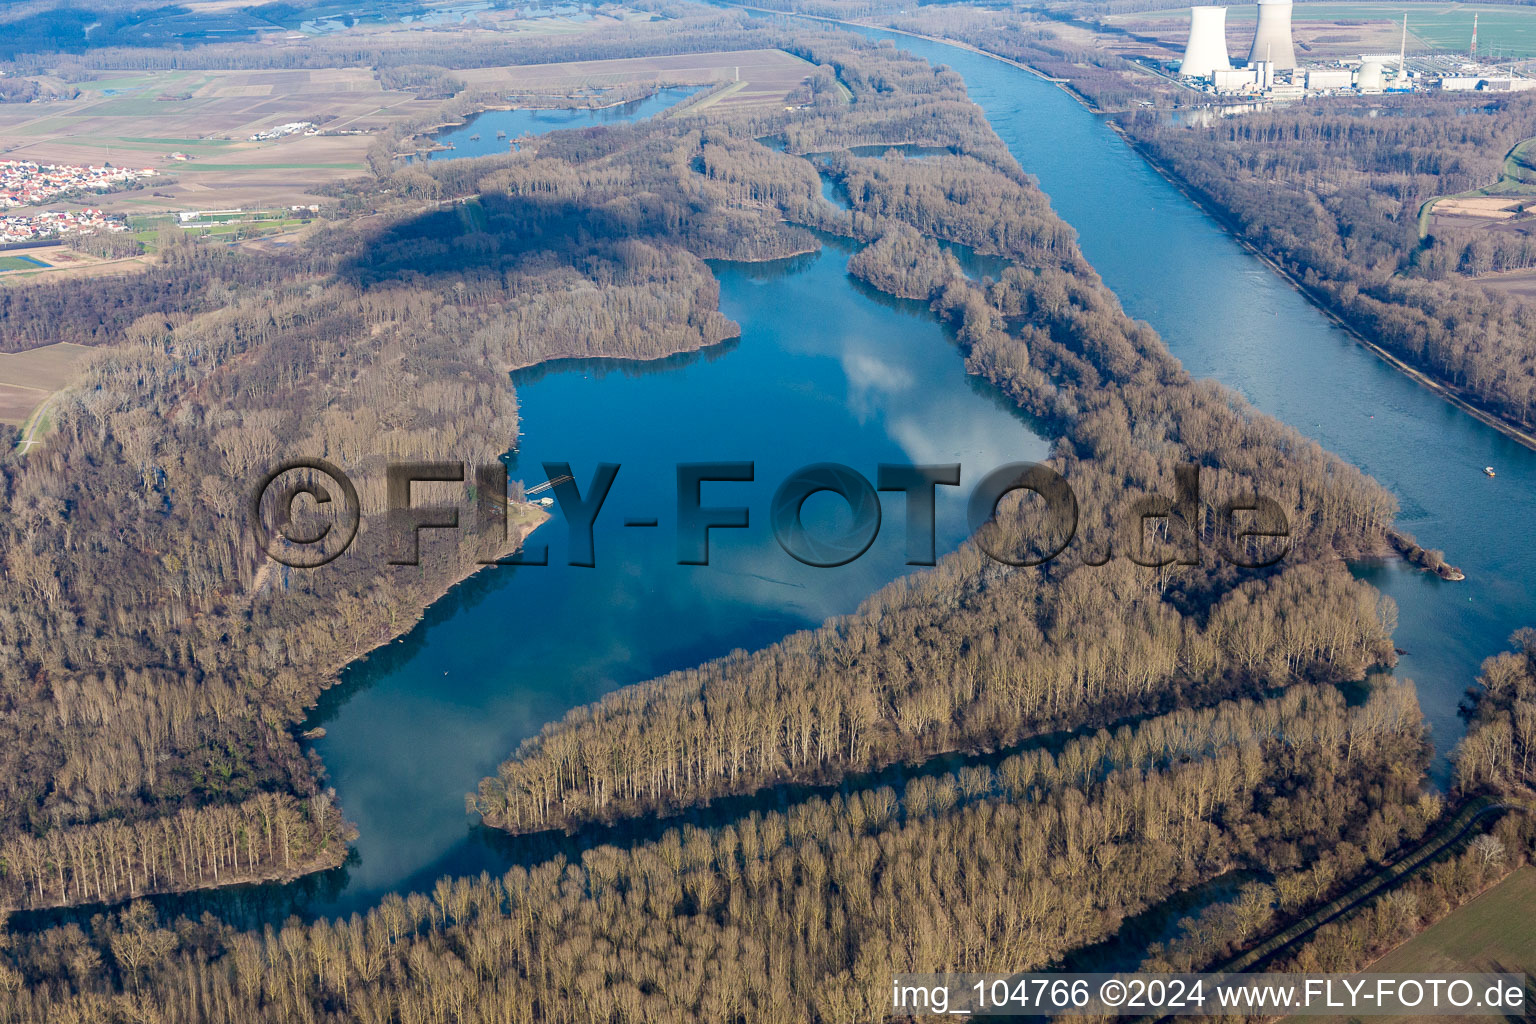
(1489, 470)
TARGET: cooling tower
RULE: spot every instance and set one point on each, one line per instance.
(1272, 39)
(1207, 49)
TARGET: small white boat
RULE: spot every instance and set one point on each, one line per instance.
(1488, 470)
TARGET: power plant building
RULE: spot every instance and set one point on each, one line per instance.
(1272, 37)
(1470, 83)
(1372, 77)
(1329, 79)
(1235, 80)
(1207, 50)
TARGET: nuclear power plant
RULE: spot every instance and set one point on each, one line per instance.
(1272, 37)
(1206, 53)
(1272, 74)
(1271, 70)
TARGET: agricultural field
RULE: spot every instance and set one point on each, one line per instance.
(1503, 205)
(1492, 934)
(60, 259)
(208, 117)
(761, 79)
(17, 403)
(1337, 29)
(22, 263)
(140, 120)
(28, 379)
(1520, 284)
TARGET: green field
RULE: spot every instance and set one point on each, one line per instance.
(1501, 32)
(22, 263)
(1492, 933)
(124, 84)
(1520, 164)
(251, 225)
(183, 143)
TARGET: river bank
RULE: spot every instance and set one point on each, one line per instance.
(1447, 391)
(1061, 83)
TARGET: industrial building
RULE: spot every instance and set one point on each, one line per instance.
(1259, 76)
(1322, 79)
(1272, 36)
(1206, 52)
(1235, 80)
(1205, 55)
(1271, 71)
(1469, 83)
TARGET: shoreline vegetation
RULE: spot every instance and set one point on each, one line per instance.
(1456, 396)
(133, 860)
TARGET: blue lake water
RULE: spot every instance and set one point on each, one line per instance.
(523, 121)
(825, 371)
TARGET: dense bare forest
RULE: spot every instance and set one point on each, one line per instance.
(798, 915)
(1499, 750)
(1138, 729)
(1332, 192)
(146, 681)
(1496, 763)
(1496, 790)
(181, 419)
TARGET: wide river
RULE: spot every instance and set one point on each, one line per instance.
(827, 371)
(1227, 315)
